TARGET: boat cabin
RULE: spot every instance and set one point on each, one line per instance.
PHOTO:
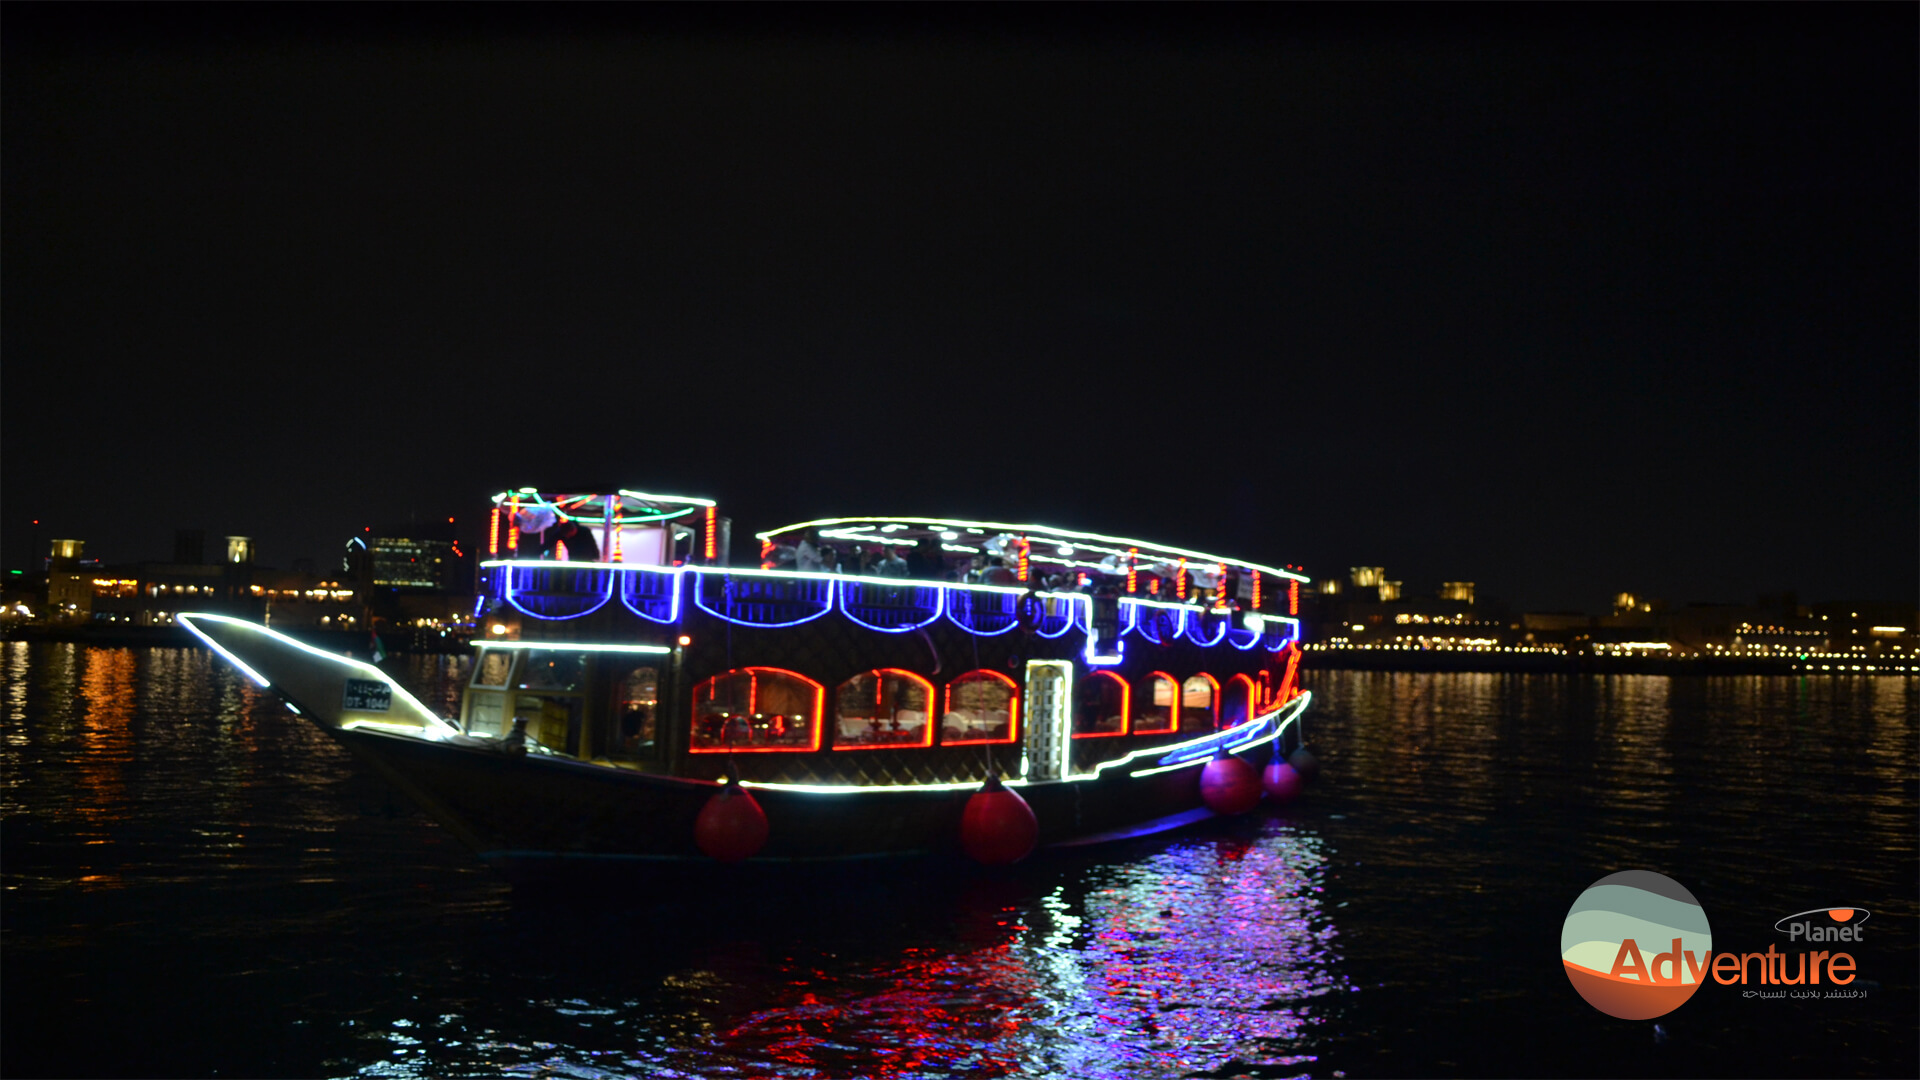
(860, 650)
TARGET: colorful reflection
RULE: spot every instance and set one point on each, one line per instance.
(1189, 956)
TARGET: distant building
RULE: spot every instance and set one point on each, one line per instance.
(400, 562)
(1376, 612)
(69, 589)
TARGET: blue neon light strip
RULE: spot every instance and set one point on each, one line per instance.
(606, 592)
(1278, 633)
(825, 605)
(1069, 621)
(632, 577)
(1250, 733)
(860, 587)
(972, 605)
(1197, 619)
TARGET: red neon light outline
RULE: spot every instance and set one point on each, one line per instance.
(1253, 699)
(513, 523)
(753, 698)
(1126, 707)
(713, 531)
(1214, 692)
(1180, 581)
(1013, 709)
(1025, 547)
(1287, 690)
(1293, 597)
(1173, 710)
(493, 532)
(1133, 570)
(1256, 590)
(1220, 587)
(879, 688)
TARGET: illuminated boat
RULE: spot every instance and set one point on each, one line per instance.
(861, 683)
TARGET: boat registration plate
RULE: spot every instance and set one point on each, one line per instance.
(367, 695)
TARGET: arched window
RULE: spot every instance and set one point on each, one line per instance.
(1100, 706)
(982, 707)
(1199, 703)
(1160, 711)
(752, 710)
(1238, 701)
(884, 707)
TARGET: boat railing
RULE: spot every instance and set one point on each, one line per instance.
(775, 598)
(893, 608)
(987, 613)
(762, 598)
(651, 594)
(557, 590)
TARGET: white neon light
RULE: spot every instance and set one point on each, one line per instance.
(1041, 530)
(186, 618)
(346, 661)
(666, 498)
(572, 646)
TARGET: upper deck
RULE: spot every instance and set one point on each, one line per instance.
(559, 556)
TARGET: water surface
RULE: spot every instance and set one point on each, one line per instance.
(198, 883)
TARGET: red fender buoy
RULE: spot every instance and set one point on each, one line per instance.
(998, 826)
(1229, 785)
(1282, 781)
(731, 826)
(1305, 764)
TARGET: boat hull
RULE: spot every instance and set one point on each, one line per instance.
(532, 809)
(523, 807)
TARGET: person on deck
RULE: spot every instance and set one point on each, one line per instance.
(891, 566)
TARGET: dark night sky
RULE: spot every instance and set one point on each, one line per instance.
(1579, 301)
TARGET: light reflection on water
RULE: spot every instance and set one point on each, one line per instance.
(214, 880)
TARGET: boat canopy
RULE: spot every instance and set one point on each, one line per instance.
(1044, 547)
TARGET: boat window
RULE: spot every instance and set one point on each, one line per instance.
(1161, 710)
(1199, 703)
(887, 707)
(494, 667)
(1100, 706)
(1237, 706)
(630, 731)
(982, 707)
(550, 669)
(756, 709)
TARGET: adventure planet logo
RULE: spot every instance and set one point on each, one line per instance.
(1636, 945)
